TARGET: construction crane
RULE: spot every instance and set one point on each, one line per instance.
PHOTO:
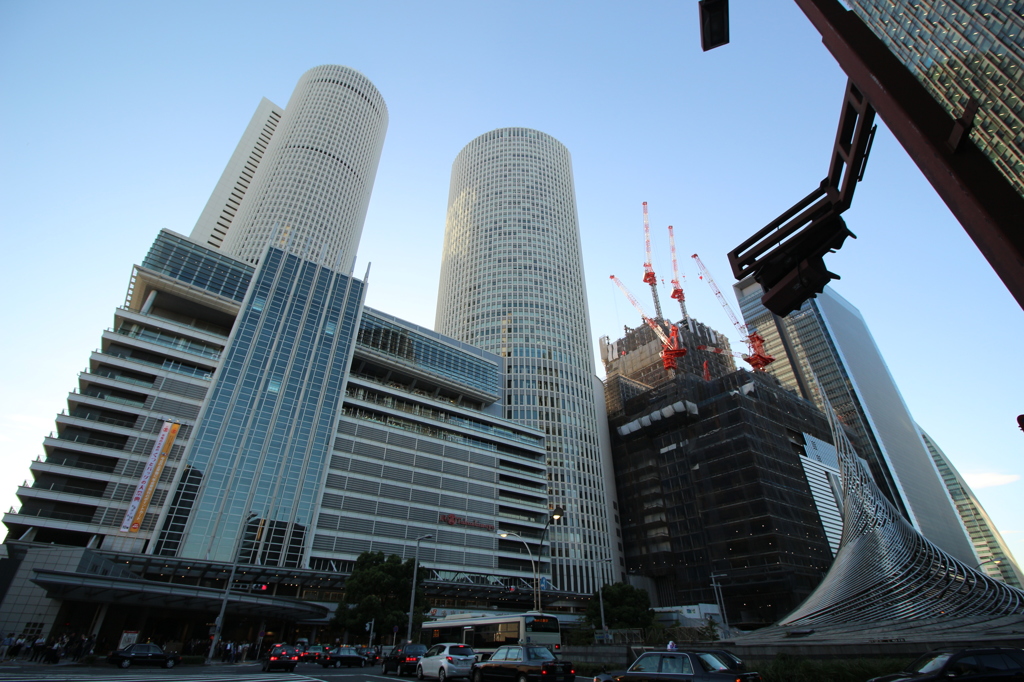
(649, 277)
(670, 348)
(677, 283)
(757, 358)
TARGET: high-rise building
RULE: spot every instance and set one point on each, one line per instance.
(962, 50)
(730, 483)
(994, 557)
(247, 421)
(315, 179)
(827, 343)
(512, 283)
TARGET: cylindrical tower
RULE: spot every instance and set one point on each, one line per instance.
(313, 186)
(512, 283)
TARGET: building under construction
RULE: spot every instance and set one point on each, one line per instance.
(728, 480)
(633, 364)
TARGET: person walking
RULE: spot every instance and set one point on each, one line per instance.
(671, 646)
(5, 646)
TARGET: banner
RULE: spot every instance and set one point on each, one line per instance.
(150, 475)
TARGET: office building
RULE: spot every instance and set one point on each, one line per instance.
(962, 50)
(512, 283)
(827, 344)
(994, 558)
(728, 484)
(246, 422)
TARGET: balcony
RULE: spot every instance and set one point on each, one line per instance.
(173, 342)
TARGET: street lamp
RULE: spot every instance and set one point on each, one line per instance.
(533, 563)
(412, 596)
(719, 598)
(600, 598)
(556, 514)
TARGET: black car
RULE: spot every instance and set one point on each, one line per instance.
(342, 656)
(523, 663)
(977, 665)
(680, 666)
(143, 654)
(280, 657)
(402, 659)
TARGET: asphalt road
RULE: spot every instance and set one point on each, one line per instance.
(240, 672)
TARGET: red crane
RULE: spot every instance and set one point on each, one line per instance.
(670, 348)
(649, 277)
(677, 286)
(757, 358)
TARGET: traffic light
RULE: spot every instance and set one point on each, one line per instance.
(714, 23)
(260, 587)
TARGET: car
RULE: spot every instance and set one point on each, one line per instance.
(979, 664)
(342, 656)
(446, 660)
(728, 658)
(523, 663)
(369, 653)
(312, 653)
(143, 654)
(402, 659)
(280, 657)
(683, 666)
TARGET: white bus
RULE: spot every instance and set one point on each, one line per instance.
(487, 633)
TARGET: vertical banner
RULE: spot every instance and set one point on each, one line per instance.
(150, 475)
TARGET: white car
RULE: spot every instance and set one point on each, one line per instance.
(444, 661)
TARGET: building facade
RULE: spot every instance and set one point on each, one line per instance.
(827, 343)
(994, 557)
(512, 283)
(962, 50)
(314, 182)
(728, 483)
(248, 422)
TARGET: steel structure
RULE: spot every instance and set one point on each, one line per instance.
(671, 348)
(677, 282)
(758, 358)
(886, 570)
(649, 276)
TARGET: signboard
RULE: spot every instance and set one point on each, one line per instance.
(150, 475)
(128, 637)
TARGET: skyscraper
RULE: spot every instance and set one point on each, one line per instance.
(961, 50)
(512, 283)
(313, 185)
(828, 342)
(994, 557)
(247, 420)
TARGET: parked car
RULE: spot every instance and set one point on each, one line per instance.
(143, 654)
(402, 659)
(683, 666)
(976, 664)
(523, 663)
(280, 657)
(446, 660)
(312, 653)
(342, 656)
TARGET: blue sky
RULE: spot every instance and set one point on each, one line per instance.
(118, 118)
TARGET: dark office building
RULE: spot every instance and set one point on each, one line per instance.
(713, 478)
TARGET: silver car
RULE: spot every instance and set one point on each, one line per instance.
(446, 660)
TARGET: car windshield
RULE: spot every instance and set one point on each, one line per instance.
(712, 662)
(929, 663)
(539, 654)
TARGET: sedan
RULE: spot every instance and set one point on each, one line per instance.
(342, 656)
(683, 666)
(143, 654)
(523, 663)
(280, 657)
(446, 660)
(978, 665)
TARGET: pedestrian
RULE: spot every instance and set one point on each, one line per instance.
(5, 646)
(671, 646)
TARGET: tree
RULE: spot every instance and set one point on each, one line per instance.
(625, 606)
(378, 589)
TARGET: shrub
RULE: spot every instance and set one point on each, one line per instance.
(786, 668)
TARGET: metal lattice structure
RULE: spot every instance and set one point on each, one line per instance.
(886, 570)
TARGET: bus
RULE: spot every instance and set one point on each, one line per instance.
(486, 633)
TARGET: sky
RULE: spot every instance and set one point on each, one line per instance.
(118, 119)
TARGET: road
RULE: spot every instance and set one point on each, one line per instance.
(241, 672)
